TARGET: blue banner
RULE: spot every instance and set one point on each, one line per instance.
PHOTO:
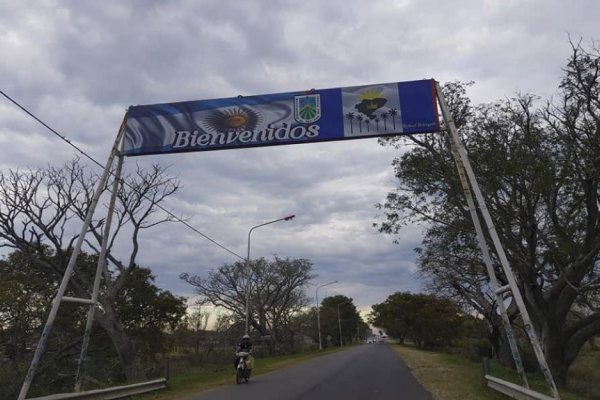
(283, 118)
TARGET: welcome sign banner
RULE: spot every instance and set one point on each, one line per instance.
(283, 118)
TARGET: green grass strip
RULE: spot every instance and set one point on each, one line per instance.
(453, 377)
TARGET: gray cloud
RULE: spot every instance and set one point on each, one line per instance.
(79, 65)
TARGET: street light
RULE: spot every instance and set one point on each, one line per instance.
(340, 321)
(318, 317)
(288, 218)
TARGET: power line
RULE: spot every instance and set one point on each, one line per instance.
(65, 139)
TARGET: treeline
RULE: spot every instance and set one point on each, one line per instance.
(426, 320)
(145, 312)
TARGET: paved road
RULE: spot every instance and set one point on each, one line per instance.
(368, 372)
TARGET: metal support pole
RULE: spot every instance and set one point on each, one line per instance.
(318, 313)
(99, 269)
(318, 319)
(288, 218)
(487, 260)
(340, 322)
(464, 159)
(41, 346)
(340, 326)
(248, 287)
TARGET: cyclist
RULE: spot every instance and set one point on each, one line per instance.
(245, 346)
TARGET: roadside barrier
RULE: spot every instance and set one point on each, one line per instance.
(514, 391)
(115, 392)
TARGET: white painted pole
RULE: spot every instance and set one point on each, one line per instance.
(318, 313)
(340, 321)
(249, 272)
(99, 269)
(484, 250)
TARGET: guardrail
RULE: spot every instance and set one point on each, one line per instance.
(513, 390)
(115, 392)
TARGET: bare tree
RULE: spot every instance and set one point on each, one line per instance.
(198, 322)
(276, 291)
(40, 209)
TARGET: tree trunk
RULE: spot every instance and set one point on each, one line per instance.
(560, 353)
(557, 365)
(499, 341)
(124, 346)
(554, 351)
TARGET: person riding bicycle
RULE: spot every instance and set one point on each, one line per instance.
(245, 346)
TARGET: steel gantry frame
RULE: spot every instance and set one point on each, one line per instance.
(475, 203)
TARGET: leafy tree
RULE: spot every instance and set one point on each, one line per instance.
(539, 170)
(24, 299)
(144, 310)
(276, 292)
(427, 320)
(147, 312)
(304, 324)
(24, 308)
(349, 319)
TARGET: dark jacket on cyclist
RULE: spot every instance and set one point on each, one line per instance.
(245, 344)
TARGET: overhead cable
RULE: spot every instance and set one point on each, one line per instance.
(78, 149)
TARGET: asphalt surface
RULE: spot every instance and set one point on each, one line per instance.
(367, 372)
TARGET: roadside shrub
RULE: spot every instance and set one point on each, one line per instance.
(474, 349)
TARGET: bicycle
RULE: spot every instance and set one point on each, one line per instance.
(242, 370)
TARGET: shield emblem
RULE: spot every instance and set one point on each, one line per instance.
(307, 108)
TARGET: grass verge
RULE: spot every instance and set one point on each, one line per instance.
(584, 374)
(201, 379)
(453, 377)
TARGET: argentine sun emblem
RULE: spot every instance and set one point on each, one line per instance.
(307, 108)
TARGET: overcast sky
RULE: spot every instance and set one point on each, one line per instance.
(78, 65)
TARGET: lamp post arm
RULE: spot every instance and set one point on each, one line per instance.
(248, 269)
(340, 320)
(288, 218)
(318, 314)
